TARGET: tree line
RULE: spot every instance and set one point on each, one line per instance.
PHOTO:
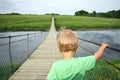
(109, 14)
(11, 14)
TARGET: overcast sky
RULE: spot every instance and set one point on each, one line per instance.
(67, 7)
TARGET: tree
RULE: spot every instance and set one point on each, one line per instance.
(81, 13)
(13, 13)
(109, 14)
(94, 13)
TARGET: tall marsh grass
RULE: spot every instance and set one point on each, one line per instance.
(86, 23)
(24, 23)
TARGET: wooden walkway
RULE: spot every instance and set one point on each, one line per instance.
(37, 66)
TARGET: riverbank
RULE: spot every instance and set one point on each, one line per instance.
(24, 23)
(87, 23)
(42, 23)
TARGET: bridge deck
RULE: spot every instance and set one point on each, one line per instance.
(37, 66)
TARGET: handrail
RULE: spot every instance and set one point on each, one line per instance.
(109, 47)
(14, 41)
(18, 35)
(102, 58)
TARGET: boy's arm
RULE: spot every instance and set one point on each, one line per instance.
(100, 51)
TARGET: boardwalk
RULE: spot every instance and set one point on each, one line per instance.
(37, 66)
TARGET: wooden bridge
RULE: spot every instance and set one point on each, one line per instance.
(37, 66)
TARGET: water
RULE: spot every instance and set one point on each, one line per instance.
(19, 50)
(111, 37)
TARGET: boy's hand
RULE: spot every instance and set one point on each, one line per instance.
(104, 45)
(100, 51)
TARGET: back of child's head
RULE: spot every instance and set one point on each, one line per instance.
(67, 41)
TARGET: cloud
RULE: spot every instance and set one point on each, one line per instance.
(14, 0)
(98, 5)
(57, 6)
(53, 6)
(7, 6)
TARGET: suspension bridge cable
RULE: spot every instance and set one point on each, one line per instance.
(15, 41)
(109, 47)
(18, 35)
(102, 58)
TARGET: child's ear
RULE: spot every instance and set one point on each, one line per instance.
(76, 48)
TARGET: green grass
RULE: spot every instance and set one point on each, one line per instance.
(24, 23)
(6, 71)
(86, 23)
(42, 23)
(116, 62)
(103, 71)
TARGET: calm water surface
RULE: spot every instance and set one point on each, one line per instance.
(19, 50)
(112, 37)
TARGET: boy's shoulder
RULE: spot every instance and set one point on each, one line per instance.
(56, 63)
(86, 57)
(73, 60)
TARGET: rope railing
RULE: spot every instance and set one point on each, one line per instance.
(8, 63)
(16, 36)
(109, 47)
(19, 35)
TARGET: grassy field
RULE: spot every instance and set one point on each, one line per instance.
(24, 23)
(86, 23)
(42, 23)
(103, 71)
(6, 71)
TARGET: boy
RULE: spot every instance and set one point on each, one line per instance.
(70, 68)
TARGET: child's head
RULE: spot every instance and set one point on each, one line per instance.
(67, 41)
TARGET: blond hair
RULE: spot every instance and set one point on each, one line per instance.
(67, 41)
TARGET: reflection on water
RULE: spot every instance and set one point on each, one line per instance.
(112, 37)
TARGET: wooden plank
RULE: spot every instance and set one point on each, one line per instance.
(37, 66)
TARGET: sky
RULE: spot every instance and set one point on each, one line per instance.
(66, 7)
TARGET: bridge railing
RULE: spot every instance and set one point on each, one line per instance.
(17, 49)
(104, 69)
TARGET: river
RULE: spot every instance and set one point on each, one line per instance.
(19, 49)
(111, 37)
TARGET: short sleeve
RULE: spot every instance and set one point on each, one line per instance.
(89, 62)
(51, 74)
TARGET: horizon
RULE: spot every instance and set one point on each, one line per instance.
(51, 13)
(66, 7)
